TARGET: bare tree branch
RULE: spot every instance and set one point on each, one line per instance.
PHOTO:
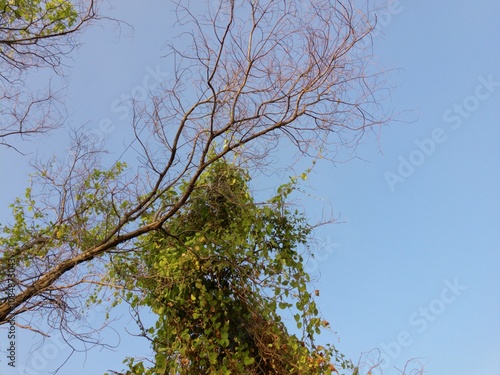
(36, 36)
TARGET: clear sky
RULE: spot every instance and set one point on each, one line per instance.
(413, 266)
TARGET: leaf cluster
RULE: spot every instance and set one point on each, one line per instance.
(219, 276)
(28, 18)
(45, 231)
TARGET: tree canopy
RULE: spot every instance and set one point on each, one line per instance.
(217, 276)
(35, 34)
(181, 234)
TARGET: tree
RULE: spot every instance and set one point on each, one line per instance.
(255, 75)
(35, 34)
(218, 275)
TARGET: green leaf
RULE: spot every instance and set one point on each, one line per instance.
(248, 361)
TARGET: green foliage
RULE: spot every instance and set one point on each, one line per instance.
(218, 276)
(26, 18)
(73, 223)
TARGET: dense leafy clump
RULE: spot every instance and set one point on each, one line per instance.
(218, 276)
(37, 18)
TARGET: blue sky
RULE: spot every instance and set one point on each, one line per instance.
(412, 267)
